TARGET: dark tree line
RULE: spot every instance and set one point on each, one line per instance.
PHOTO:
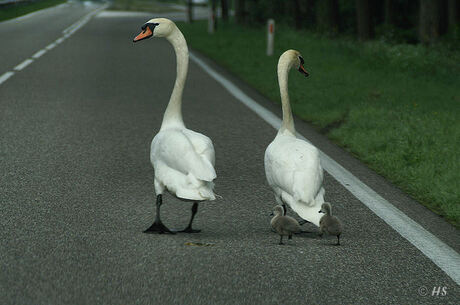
(405, 21)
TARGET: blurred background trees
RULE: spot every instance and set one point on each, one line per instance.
(395, 21)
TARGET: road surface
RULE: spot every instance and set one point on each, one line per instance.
(76, 186)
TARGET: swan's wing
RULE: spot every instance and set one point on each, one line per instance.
(203, 144)
(294, 166)
(175, 150)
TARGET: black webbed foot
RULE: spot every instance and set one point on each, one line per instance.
(158, 228)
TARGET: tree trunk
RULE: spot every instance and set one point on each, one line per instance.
(214, 13)
(240, 12)
(429, 21)
(297, 15)
(224, 8)
(389, 12)
(364, 20)
(327, 16)
(453, 7)
(189, 11)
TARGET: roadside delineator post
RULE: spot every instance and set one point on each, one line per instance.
(270, 36)
(211, 19)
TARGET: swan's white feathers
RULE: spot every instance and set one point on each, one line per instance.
(294, 172)
(202, 144)
(175, 149)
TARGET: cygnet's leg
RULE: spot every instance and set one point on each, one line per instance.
(281, 240)
(290, 236)
(189, 229)
(284, 209)
(338, 240)
(158, 226)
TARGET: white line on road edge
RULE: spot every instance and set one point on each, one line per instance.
(5, 76)
(437, 251)
(24, 64)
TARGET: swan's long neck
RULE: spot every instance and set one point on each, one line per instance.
(173, 113)
(283, 74)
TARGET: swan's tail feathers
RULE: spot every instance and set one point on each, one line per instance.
(319, 198)
(206, 191)
(204, 170)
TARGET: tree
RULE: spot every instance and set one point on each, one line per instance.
(240, 12)
(389, 12)
(327, 16)
(189, 11)
(224, 8)
(429, 21)
(364, 20)
(453, 7)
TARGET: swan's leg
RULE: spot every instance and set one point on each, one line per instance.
(290, 236)
(281, 240)
(158, 226)
(189, 229)
(285, 209)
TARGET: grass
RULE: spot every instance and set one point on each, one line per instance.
(141, 6)
(23, 8)
(394, 107)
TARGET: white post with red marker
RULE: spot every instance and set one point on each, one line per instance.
(270, 36)
(211, 19)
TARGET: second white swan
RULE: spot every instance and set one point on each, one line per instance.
(292, 166)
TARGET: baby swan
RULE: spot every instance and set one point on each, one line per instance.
(283, 225)
(329, 224)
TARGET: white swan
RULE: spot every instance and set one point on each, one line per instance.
(292, 166)
(183, 160)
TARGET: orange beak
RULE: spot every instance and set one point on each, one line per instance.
(302, 70)
(143, 35)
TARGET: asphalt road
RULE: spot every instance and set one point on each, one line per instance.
(76, 188)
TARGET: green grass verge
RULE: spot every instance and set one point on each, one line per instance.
(141, 6)
(19, 9)
(394, 107)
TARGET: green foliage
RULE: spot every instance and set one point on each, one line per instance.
(22, 8)
(393, 106)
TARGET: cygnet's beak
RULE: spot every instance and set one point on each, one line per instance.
(271, 214)
(146, 33)
(320, 211)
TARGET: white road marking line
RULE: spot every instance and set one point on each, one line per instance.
(51, 46)
(24, 64)
(5, 76)
(39, 53)
(437, 251)
(81, 22)
(73, 28)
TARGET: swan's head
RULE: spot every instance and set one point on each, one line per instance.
(157, 27)
(294, 59)
(277, 211)
(326, 208)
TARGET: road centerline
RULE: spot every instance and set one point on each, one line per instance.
(24, 64)
(5, 76)
(67, 33)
